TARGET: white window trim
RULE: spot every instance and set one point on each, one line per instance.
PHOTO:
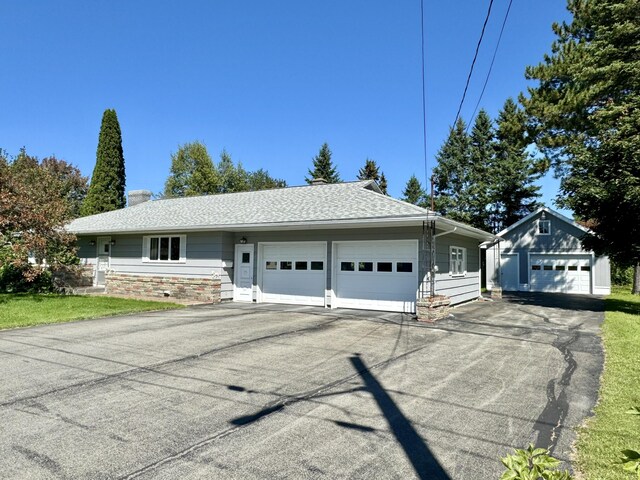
(538, 232)
(146, 247)
(464, 261)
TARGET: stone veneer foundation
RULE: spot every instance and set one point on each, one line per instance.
(205, 290)
(430, 309)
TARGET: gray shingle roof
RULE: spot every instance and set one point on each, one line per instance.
(307, 204)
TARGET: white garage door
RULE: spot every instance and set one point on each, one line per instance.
(379, 275)
(294, 273)
(561, 273)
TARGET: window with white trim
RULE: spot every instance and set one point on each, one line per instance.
(457, 261)
(544, 227)
(165, 248)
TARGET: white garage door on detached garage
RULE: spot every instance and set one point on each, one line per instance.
(293, 272)
(560, 273)
(376, 275)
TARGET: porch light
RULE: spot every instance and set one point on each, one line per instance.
(92, 243)
(243, 240)
(113, 242)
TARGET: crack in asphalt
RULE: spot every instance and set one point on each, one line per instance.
(148, 368)
(266, 411)
(552, 418)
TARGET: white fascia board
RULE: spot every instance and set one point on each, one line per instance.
(316, 225)
(559, 216)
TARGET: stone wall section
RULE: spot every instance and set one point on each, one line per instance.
(75, 276)
(205, 290)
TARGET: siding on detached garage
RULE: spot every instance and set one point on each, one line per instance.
(461, 289)
(205, 253)
(563, 239)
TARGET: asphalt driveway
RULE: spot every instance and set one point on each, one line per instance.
(245, 391)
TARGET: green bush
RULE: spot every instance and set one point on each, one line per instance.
(25, 279)
(621, 275)
(533, 464)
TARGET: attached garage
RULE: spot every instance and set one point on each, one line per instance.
(293, 272)
(376, 275)
(560, 273)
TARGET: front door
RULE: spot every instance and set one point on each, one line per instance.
(104, 259)
(243, 274)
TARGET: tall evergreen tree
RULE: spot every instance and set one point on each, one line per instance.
(233, 178)
(383, 183)
(192, 172)
(413, 192)
(370, 171)
(481, 152)
(107, 188)
(515, 171)
(323, 167)
(586, 115)
(453, 174)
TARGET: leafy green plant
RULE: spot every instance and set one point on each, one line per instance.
(630, 458)
(533, 464)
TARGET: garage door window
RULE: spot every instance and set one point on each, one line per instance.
(560, 267)
(347, 266)
(385, 266)
(365, 266)
(457, 261)
(548, 267)
(271, 265)
(572, 268)
(317, 265)
(404, 267)
(285, 265)
(585, 268)
(301, 265)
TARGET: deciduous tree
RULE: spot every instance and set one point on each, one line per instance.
(192, 172)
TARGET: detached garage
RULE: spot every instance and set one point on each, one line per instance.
(543, 253)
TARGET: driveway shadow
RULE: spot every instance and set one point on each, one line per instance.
(565, 301)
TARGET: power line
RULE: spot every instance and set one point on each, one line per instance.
(424, 103)
(504, 22)
(464, 94)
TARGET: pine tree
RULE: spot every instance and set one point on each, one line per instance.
(514, 193)
(452, 174)
(370, 171)
(107, 188)
(323, 167)
(413, 192)
(383, 183)
(586, 115)
(232, 178)
(481, 152)
(192, 172)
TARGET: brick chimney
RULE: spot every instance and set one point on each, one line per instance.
(136, 197)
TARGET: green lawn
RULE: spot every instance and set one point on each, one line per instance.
(23, 310)
(611, 430)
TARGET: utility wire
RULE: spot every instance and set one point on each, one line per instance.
(504, 22)
(464, 94)
(424, 103)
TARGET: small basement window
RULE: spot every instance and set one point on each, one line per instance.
(164, 249)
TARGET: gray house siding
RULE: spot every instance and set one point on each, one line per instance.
(463, 288)
(212, 253)
(564, 238)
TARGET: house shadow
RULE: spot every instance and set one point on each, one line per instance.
(415, 448)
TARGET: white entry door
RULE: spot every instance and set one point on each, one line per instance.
(509, 271)
(103, 245)
(243, 274)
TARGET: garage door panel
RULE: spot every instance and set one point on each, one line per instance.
(288, 275)
(561, 273)
(386, 286)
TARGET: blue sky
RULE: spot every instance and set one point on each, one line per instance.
(267, 81)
